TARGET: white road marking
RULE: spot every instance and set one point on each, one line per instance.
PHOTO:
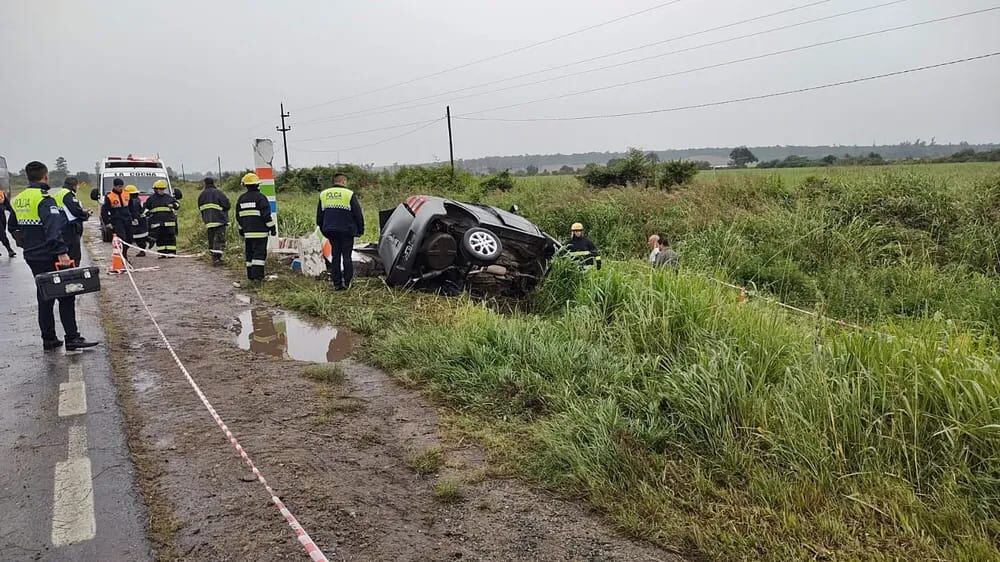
(73, 493)
(73, 503)
(72, 399)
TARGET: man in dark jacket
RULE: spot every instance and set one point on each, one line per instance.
(214, 207)
(161, 208)
(340, 218)
(253, 217)
(75, 215)
(117, 213)
(4, 209)
(39, 223)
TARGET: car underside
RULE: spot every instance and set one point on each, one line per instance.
(441, 245)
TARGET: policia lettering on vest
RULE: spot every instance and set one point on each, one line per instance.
(340, 218)
(253, 217)
(39, 224)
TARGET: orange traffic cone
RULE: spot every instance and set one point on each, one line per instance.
(117, 262)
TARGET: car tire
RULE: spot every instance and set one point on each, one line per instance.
(481, 245)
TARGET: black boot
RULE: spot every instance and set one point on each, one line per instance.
(49, 345)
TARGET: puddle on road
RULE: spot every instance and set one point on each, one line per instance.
(285, 335)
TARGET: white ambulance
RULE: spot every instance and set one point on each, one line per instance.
(140, 171)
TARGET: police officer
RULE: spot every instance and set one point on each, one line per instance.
(4, 209)
(161, 208)
(117, 212)
(214, 207)
(65, 197)
(253, 218)
(340, 218)
(140, 224)
(40, 225)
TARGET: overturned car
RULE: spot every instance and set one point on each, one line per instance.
(439, 244)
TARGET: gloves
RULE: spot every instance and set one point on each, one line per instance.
(274, 232)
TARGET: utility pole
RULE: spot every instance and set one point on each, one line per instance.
(451, 148)
(183, 174)
(220, 167)
(284, 129)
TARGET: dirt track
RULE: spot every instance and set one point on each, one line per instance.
(339, 454)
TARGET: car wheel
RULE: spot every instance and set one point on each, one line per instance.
(482, 245)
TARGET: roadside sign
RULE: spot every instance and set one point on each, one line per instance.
(263, 156)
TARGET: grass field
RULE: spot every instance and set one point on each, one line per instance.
(730, 430)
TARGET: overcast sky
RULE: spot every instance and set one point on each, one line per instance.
(195, 80)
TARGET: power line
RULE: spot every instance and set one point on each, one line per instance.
(616, 65)
(420, 128)
(737, 100)
(595, 58)
(740, 60)
(353, 133)
(496, 56)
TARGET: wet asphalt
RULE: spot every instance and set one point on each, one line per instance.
(45, 497)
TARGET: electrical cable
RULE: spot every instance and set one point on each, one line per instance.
(736, 100)
(496, 56)
(740, 60)
(374, 110)
(420, 128)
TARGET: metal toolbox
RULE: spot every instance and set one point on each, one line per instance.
(68, 282)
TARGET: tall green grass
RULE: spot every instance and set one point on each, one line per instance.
(787, 438)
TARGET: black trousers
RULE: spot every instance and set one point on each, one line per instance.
(216, 241)
(75, 251)
(46, 309)
(341, 268)
(256, 257)
(166, 238)
(3, 232)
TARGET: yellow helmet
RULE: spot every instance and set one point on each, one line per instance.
(131, 189)
(250, 179)
(576, 226)
(160, 184)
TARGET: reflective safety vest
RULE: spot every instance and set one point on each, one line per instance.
(336, 198)
(26, 206)
(60, 196)
(118, 199)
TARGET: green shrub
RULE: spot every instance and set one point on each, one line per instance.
(677, 172)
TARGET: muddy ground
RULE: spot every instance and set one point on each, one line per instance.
(343, 455)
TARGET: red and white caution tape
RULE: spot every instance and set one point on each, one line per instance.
(148, 251)
(303, 537)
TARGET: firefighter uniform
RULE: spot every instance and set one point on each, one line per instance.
(340, 219)
(140, 224)
(161, 209)
(117, 212)
(214, 207)
(253, 217)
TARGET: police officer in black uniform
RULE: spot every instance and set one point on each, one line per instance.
(39, 223)
(75, 216)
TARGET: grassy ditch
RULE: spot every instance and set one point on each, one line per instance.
(729, 430)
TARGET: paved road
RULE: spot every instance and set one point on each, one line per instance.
(67, 487)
